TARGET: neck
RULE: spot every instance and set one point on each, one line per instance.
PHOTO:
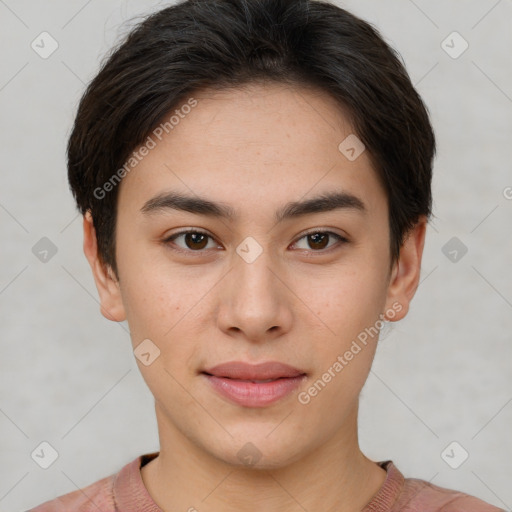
(334, 477)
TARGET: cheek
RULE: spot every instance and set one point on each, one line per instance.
(165, 305)
(349, 305)
(153, 311)
(345, 299)
(163, 313)
(152, 303)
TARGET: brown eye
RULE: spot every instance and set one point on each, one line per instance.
(319, 240)
(194, 241)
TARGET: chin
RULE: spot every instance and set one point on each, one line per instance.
(257, 451)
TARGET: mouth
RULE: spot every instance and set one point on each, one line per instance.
(255, 381)
(268, 371)
(254, 385)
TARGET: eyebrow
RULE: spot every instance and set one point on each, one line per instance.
(201, 206)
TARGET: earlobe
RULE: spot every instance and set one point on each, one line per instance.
(111, 304)
(406, 272)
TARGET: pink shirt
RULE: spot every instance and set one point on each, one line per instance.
(125, 492)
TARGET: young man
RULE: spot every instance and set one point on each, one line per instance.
(255, 180)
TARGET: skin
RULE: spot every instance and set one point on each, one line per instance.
(255, 149)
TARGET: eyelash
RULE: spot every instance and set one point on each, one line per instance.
(170, 239)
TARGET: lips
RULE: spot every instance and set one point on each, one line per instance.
(250, 385)
(254, 373)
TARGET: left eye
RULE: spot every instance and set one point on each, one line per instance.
(319, 239)
(194, 240)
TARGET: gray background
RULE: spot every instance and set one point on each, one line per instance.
(442, 374)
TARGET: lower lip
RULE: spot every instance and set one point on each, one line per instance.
(252, 394)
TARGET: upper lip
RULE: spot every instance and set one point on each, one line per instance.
(247, 371)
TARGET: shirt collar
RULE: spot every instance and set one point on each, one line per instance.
(131, 495)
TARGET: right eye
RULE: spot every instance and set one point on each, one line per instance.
(194, 240)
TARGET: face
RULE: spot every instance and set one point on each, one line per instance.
(301, 289)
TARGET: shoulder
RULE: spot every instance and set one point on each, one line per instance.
(419, 495)
(94, 497)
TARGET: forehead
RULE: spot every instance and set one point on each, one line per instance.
(259, 144)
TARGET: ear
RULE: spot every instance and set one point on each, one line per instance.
(405, 274)
(111, 304)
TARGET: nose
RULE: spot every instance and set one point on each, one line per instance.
(255, 301)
